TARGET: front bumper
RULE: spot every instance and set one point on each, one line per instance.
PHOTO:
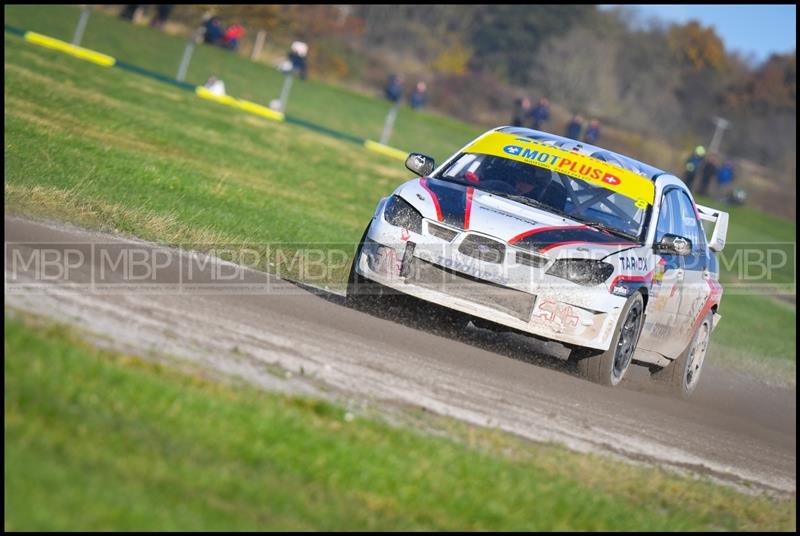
(514, 295)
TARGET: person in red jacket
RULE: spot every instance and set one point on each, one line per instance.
(232, 35)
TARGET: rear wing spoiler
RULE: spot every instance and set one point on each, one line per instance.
(720, 221)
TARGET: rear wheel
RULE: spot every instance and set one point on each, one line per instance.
(609, 367)
(682, 375)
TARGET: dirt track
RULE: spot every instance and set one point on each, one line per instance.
(735, 429)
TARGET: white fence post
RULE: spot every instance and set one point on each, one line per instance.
(287, 86)
(260, 37)
(193, 41)
(720, 125)
(81, 27)
(388, 125)
(187, 57)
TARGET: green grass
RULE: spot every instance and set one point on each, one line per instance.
(96, 440)
(752, 228)
(310, 100)
(120, 151)
(757, 335)
(758, 332)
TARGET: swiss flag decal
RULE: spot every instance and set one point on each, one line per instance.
(611, 179)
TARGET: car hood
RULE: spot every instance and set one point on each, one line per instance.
(469, 208)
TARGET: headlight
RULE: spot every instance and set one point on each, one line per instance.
(582, 271)
(400, 213)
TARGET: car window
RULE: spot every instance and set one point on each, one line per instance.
(457, 168)
(668, 215)
(691, 227)
(559, 192)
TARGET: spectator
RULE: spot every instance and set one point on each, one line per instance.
(592, 132)
(163, 12)
(129, 12)
(724, 180)
(213, 34)
(394, 89)
(693, 165)
(215, 86)
(522, 106)
(297, 55)
(574, 127)
(710, 170)
(231, 37)
(418, 96)
(540, 114)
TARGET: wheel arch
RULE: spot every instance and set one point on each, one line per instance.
(645, 296)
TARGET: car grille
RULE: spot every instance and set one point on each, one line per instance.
(441, 232)
(507, 300)
(483, 248)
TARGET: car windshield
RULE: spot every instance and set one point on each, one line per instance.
(549, 190)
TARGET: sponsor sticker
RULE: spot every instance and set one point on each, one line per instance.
(586, 168)
(620, 290)
(558, 313)
(633, 263)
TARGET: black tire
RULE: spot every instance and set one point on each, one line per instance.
(682, 375)
(361, 293)
(609, 367)
(364, 294)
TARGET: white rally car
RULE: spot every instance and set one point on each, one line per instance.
(554, 238)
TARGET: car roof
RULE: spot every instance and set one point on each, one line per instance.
(625, 162)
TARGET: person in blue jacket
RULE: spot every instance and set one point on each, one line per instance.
(418, 96)
(214, 31)
(540, 114)
(592, 132)
(393, 90)
(574, 127)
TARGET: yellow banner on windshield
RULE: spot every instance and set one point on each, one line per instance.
(640, 189)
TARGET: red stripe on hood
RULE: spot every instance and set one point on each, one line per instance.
(468, 208)
(424, 183)
(532, 232)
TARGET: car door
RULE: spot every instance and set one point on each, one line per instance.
(696, 289)
(663, 317)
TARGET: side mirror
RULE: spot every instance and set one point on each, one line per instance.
(674, 245)
(420, 164)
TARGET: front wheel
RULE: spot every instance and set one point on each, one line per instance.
(682, 375)
(609, 367)
(362, 294)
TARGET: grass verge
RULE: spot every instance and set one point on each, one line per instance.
(109, 441)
